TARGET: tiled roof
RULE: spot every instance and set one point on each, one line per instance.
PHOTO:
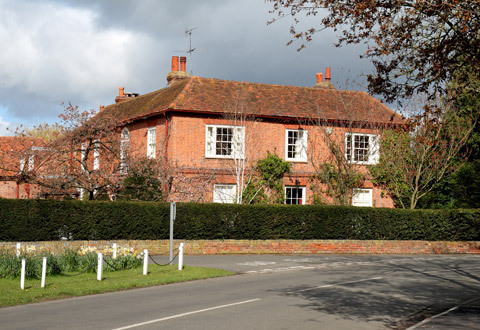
(218, 96)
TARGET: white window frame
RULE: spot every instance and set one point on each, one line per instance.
(96, 155)
(224, 193)
(124, 142)
(152, 142)
(31, 163)
(362, 197)
(299, 145)
(372, 151)
(83, 156)
(22, 165)
(302, 188)
(237, 150)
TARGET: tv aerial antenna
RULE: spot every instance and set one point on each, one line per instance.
(190, 50)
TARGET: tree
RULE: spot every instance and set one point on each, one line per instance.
(84, 159)
(336, 173)
(415, 46)
(148, 179)
(417, 157)
(47, 132)
(267, 183)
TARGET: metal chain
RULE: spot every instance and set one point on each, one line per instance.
(149, 256)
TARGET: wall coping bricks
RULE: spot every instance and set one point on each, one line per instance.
(204, 247)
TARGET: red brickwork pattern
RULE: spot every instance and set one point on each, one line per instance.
(204, 247)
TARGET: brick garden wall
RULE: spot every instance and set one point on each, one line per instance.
(203, 247)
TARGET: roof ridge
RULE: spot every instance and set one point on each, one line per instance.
(179, 98)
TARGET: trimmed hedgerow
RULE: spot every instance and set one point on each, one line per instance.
(38, 220)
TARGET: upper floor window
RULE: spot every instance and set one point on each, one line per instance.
(362, 197)
(96, 155)
(295, 195)
(83, 156)
(151, 142)
(361, 148)
(225, 141)
(124, 142)
(22, 164)
(296, 145)
(224, 193)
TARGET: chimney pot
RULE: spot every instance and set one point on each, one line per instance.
(183, 63)
(328, 75)
(174, 63)
(120, 91)
(319, 77)
(101, 107)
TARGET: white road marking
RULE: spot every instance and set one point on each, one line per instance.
(428, 319)
(431, 318)
(337, 284)
(185, 314)
(257, 263)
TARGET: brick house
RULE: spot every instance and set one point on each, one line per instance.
(17, 158)
(205, 127)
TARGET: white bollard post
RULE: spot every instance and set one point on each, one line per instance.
(180, 257)
(145, 262)
(22, 275)
(44, 271)
(114, 250)
(18, 250)
(100, 267)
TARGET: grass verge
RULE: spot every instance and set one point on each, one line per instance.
(58, 287)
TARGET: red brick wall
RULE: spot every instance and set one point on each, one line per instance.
(203, 247)
(186, 150)
(8, 189)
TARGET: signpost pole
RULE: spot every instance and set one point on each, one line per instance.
(173, 211)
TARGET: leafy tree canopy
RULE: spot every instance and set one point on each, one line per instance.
(415, 46)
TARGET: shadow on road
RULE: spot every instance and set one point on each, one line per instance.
(402, 297)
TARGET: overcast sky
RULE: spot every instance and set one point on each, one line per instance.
(81, 51)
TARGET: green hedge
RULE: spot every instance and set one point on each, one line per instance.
(36, 220)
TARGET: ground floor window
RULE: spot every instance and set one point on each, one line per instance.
(295, 195)
(224, 193)
(362, 197)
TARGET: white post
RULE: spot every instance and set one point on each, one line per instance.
(18, 250)
(114, 250)
(44, 271)
(22, 275)
(180, 257)
(145, 262)
(100, 267)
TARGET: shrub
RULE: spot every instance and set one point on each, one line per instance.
(37, 220)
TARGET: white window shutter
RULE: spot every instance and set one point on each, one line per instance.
(209, 141)
(151, 142)
(374, 150)
(303, 147)
(239, 142)
(31, 162)
(83, 156)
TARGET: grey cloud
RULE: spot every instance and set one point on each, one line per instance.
(232, 41)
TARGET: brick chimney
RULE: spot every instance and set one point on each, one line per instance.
(324, 84)
(101, 108)
(122, 96)
(177, 74)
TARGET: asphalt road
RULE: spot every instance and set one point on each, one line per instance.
(282, 292)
